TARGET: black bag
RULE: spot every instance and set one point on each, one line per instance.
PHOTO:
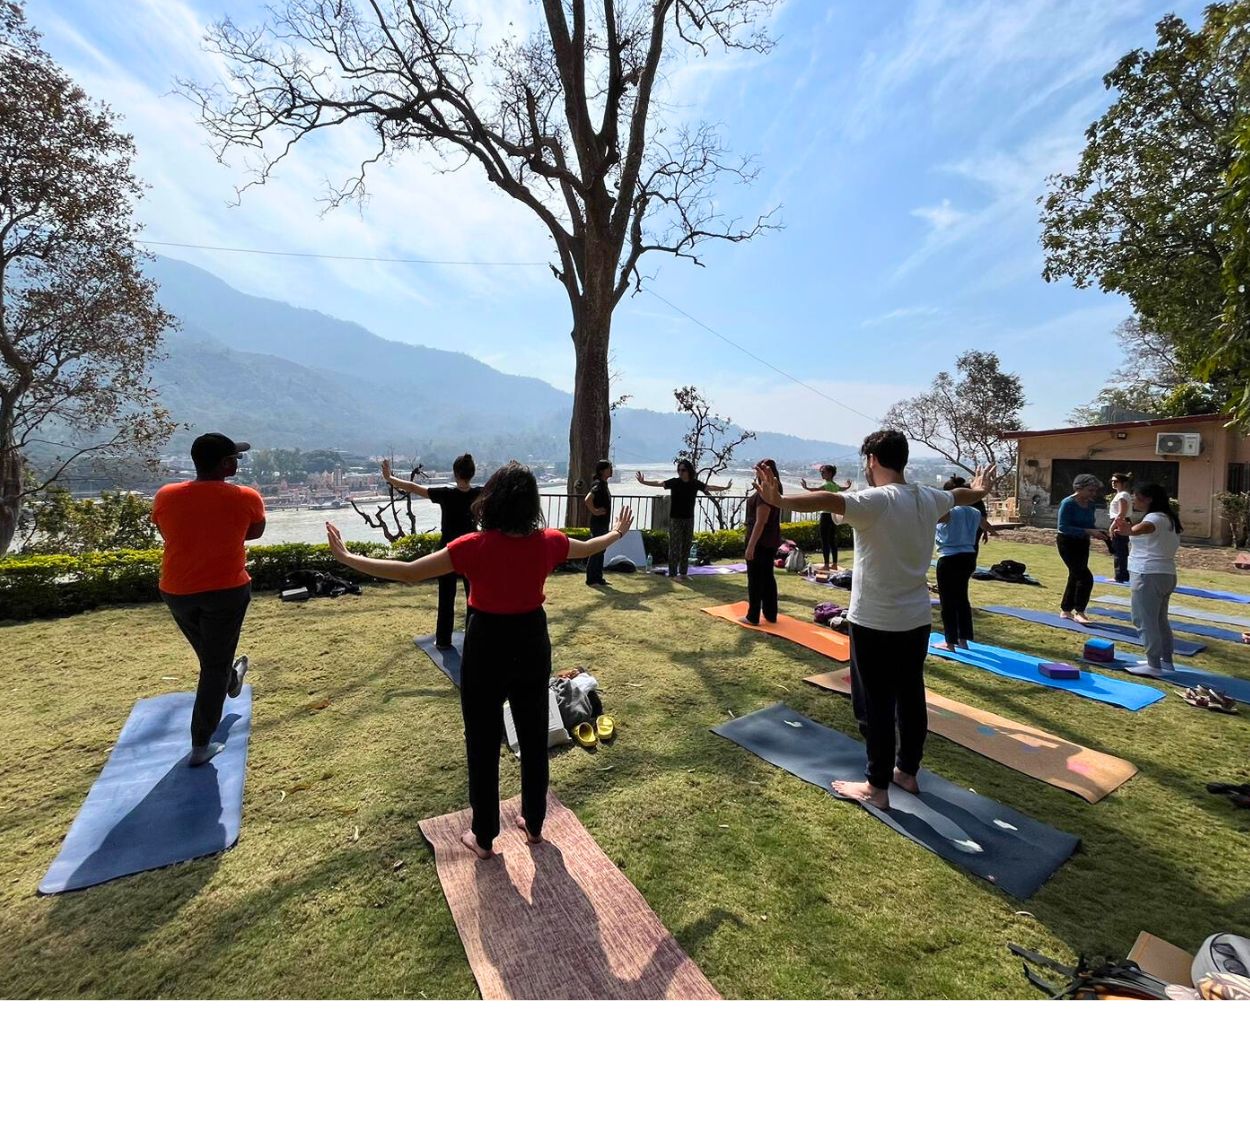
(319, 583)
(1011, 570)
(1090, 980)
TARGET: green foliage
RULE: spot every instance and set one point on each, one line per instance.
(68, 526)
(1230, 354)
(1236, 510)
(1144, 214)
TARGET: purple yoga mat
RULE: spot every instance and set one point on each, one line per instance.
(706, 569)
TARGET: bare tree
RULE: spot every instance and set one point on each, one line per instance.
(397, 499)
(79, 323)
(564, 122)
(963, 419)
(709, 444)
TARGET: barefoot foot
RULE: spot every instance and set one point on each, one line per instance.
(471, 842)
(906, 781)
(944, 646)
(863, 792)
(532, 839)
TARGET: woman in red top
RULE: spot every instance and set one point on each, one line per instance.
(507, 652)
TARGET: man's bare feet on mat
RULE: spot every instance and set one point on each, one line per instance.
(471, 842)
(944, 646)
(530, 838)
(906, 781)
(863, 792)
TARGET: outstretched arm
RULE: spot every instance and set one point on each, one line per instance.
(405, 571)
(770, 491)
(979, 487)
(719, 488)
(402, 485)
(578, 549)
(643, 481)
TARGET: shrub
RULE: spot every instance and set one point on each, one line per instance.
(111, 522)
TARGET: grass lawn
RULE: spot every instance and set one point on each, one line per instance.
(774, 888)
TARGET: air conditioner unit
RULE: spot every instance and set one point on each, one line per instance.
(1178, 444)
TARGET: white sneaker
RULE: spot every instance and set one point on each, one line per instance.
(240, 670)
(201, 755)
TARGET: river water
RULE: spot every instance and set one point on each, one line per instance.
(288, 526)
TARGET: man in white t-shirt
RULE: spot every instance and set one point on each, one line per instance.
(890, 616)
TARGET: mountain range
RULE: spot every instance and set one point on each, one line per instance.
(284, 377)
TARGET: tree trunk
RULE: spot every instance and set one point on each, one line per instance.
(10, 492)
(590, 431)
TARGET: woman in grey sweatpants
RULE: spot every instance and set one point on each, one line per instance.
(1153, 542)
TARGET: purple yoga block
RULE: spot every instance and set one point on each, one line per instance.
(1059, 671)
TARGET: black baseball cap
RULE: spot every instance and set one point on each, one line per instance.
(210, 449)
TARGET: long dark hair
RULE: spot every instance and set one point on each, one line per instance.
(684, 463)
(771, 466)
(509, 501)
(1159, 500)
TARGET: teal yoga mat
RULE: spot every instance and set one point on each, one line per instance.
(988, 839)
(148, 808)
(1119, 632)
(1238, 689)
(1016, 665)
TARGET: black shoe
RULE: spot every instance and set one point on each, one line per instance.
(444, 646)
(237, 672)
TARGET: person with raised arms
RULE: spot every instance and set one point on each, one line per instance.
(685, 488)
(1153, 544)
(828, 526)
(890, 617)
(204, 580)
(507, 650)
(456, 518)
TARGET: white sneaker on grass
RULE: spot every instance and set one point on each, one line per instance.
(238, 671)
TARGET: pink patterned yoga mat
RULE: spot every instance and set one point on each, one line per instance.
(557, 921)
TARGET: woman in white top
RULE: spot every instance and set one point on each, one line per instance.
(1119, 508)
(1152, 567)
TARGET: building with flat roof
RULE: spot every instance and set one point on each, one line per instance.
(1194, 458)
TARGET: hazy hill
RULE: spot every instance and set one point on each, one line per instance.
(283, 376)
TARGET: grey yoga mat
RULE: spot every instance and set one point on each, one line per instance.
(1120, 632)
(1208, 631)
(447, 660)
(148, 808)
(986, 838)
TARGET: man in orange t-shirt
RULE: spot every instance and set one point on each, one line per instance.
(204, 576)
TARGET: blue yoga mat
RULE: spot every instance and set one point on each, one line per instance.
(1016, 665)
(975, 833)
(1176, 625)
(447, 660)
(148, 808)
(1176, 609)
(1203, 593)
(1239, 689)
(1117, 631)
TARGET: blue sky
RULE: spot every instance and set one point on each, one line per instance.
(906, 142)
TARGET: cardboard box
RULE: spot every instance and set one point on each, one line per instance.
(1163, 960)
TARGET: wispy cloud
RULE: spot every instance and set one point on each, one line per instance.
(941, 217)
(908, 312)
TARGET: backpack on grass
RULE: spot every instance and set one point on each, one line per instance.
(1091, 979)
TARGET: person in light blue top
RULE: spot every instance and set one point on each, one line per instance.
(1076, 528)
(957, 535)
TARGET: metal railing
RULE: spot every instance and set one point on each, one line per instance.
(651, 511)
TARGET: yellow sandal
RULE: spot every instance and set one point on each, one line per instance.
(584, 733)
(605, 727)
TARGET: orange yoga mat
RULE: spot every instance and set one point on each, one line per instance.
(824, 640)
(1038, 754)
(557, 921)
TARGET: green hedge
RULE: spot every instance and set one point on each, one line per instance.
(36, 586)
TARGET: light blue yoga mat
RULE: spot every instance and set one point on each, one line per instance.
(447, 660)
(1016, 665)
(1204, 593)
(1176, 625)
(1120, 632)
(1181, 610)
(148, 808)
(1238, 689)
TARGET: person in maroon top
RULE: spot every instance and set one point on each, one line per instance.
(507, 651)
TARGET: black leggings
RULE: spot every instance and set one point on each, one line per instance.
(1074, 552)
(953, 574)
(762, 584)
(505, 658)
(887, 690)
(829, 538)
(446, 623)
